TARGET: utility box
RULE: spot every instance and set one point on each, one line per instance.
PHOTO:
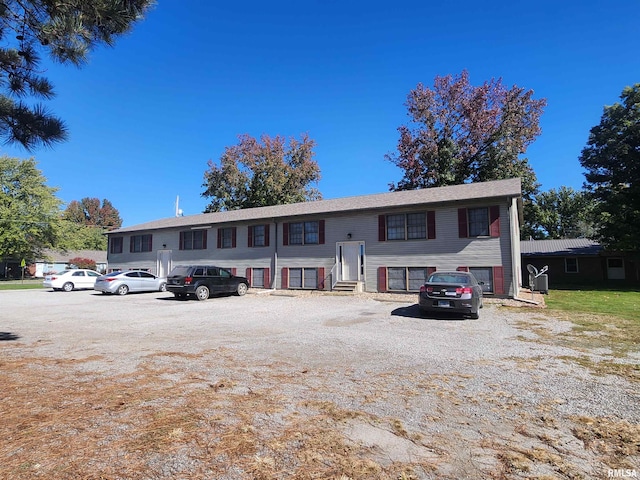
(541, 283)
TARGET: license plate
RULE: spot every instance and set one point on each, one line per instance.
(444, 303)
(450, 294)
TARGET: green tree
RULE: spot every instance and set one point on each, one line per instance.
(74, 236)
(612, 162)
(29, 210)
(563, 213)
(90, 212)
(67, 30)
(262, 173)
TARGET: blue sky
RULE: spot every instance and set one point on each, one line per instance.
(146, 116)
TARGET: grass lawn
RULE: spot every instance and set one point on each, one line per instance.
(603, 318)
(20, 285)
(624, 304)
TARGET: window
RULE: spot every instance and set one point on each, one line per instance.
(407, 226)
(571, 265)
(303, 278)
(478, 222)
(115, 245)
(485, 276)
(193, 240)
(227, 237)
(259, 236)
(257, 277)
(140, 243)
(395, 227)
(305, 233)
(406, 278)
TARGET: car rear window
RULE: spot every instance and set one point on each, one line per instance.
(179, 271)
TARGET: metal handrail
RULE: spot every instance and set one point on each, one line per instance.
(334, 275)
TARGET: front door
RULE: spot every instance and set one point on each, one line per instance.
(163, 263)
(350, 256)
(615, 268)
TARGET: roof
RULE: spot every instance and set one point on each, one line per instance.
(469, 191)
(561, 247)
(56, 256)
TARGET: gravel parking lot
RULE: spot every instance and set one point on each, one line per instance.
(279, 385)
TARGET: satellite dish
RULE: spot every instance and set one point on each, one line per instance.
(533, 270)
(544, 269)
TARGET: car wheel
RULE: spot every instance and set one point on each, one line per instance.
(202, 293)
(163, 287)
(475, 316)
(67, 287)
(122, 290)
(242, 289)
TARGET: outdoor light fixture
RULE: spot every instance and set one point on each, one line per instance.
(349, 236)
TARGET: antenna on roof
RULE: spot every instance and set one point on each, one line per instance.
(178, 210)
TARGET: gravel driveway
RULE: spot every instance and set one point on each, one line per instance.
(302, 386)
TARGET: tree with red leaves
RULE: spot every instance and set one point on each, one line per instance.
(460, 133)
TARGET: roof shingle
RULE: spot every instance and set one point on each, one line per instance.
(470, 191)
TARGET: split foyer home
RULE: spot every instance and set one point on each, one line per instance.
(376, 243)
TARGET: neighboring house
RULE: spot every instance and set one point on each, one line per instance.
(574, 261)
(382, 242)
(56, 261)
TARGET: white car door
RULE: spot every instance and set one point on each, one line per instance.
(79, 279)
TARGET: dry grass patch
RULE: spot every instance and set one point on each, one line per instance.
(61, 421)
(617, 441)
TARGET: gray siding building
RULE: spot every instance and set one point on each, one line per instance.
(382, 242)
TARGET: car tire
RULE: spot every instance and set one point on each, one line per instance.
(475, 316)
(122, 290)
(67, 287)
(202, 293)
(163, 287)
(241, 289)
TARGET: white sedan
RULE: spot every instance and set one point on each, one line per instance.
(74, 279)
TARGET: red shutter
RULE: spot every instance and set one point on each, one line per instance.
(285, 238)
(248, 275)
(321, 278)
(431, 225)
(430, 270)
(233, 271)
(266, 235)
(462, 223)
(284, 278)
(462, 269)
(250, 236)
(181, 241)
(498, 280)
(204, 239)
(382, 228)
(321, 232)
(267, 278)
(219, 238)
(233, 237)
(382, 279)
(494, 215)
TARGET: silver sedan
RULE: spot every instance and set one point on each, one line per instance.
(131, 281)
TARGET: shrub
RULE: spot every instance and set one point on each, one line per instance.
(79, 262)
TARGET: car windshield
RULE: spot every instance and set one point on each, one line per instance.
(179, 270)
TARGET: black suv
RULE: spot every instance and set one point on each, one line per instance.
(204, 280)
